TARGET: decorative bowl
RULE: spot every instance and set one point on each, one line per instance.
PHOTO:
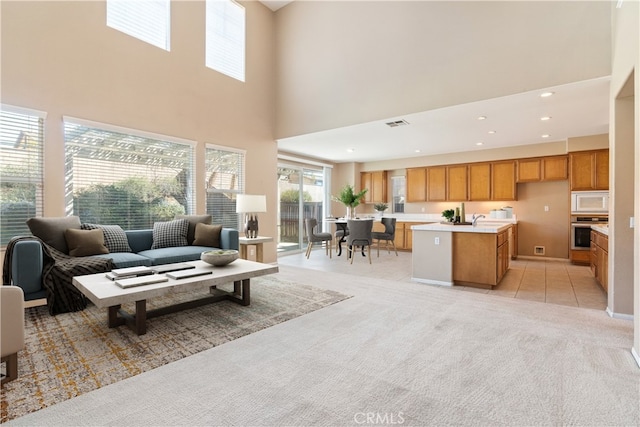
(219, 258)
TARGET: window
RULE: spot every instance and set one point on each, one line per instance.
(225, 180)
(126, 177)
(147, 20)
(225, 38)
(398, 185)
(21, 170)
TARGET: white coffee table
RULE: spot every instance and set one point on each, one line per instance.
(104, 293)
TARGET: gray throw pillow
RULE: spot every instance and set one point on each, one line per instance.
(193, 221)
(51, 230)
(170, 234)
(115, 239)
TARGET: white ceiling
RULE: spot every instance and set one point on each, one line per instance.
(576, 109)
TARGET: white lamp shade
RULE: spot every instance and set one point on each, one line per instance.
(246, 203)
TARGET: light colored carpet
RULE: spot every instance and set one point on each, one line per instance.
(73, 353)
(395, 353)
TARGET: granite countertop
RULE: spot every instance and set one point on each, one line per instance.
(601, 228)
(486, 227)
(436, 218)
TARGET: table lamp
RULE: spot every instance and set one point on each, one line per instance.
(250, 206)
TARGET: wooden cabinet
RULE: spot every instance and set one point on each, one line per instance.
(555, 168)
(479, 181)
(416, 185)
(437, 183)
(480, 258)
(551, 168)
(600, 258)
(529, 170)
(514, 241)
(589, 170)
(503, 180)
(457, 182)
(376, 183)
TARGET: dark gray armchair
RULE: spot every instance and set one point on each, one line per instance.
(359, 236)
(388, 235)
(313, 237)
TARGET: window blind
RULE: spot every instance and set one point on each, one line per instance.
(21, 170)
(126, 177)
(146, 20)
(225, 180)
(225, 38)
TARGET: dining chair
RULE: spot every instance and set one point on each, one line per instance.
(359, 236)
(389, 234)
(342, 231)
(313, 237)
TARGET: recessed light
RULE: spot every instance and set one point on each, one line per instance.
(491, 132)
(479, 143)
(545, 118)
(482, 117)
(546, 135)
(350, 150)
(546, 94)
(418, 151)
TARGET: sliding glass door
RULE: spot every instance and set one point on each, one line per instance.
(301, 192)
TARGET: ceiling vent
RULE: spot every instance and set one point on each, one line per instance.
(397, 123)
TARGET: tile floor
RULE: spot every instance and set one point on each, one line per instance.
(552, 282)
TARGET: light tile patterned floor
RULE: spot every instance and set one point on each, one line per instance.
(552, 282)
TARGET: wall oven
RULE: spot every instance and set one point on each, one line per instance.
(581, 230)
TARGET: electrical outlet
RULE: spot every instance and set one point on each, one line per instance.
(422, 209)
(437, 241)
(252, 251)
(546, 208)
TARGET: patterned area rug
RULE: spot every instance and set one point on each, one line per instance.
(73, 353)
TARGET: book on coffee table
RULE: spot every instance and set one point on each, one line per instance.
(139, 281)
(131, 271)
(188, 273)
(165, 268)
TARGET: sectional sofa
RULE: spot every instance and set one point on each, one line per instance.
(179, 240)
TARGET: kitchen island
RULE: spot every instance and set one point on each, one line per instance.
(446, 254)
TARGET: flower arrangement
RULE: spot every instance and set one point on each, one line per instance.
(449, 214)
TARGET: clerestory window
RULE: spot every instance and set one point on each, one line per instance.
(126, 177)
(146, 20)
(225, 38)
(21, 169)
(224, 181)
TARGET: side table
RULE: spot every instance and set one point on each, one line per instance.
(257, 241)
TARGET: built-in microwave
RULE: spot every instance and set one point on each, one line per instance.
(589, 202)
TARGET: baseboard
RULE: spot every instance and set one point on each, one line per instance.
(619, 315)
(432, 282)
(636, 356)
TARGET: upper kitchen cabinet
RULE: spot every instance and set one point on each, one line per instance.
(457, 178)
(551, 168)
(416, 185)
(503, 180)
(376, 183)
(589, 170)
(479, 181)
(437, 183)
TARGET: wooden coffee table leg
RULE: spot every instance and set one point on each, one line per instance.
(141, 317)
(242, 292)
(114, 319)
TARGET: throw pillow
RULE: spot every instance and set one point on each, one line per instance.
(51, 230)
(85, 242)
(193, 220)
(207, 235)
(115, 239)
(170, 234)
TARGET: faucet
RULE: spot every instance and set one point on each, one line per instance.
(474, 219)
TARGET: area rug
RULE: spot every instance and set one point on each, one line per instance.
(73, 353)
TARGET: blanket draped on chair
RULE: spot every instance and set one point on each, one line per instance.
(57, 275)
